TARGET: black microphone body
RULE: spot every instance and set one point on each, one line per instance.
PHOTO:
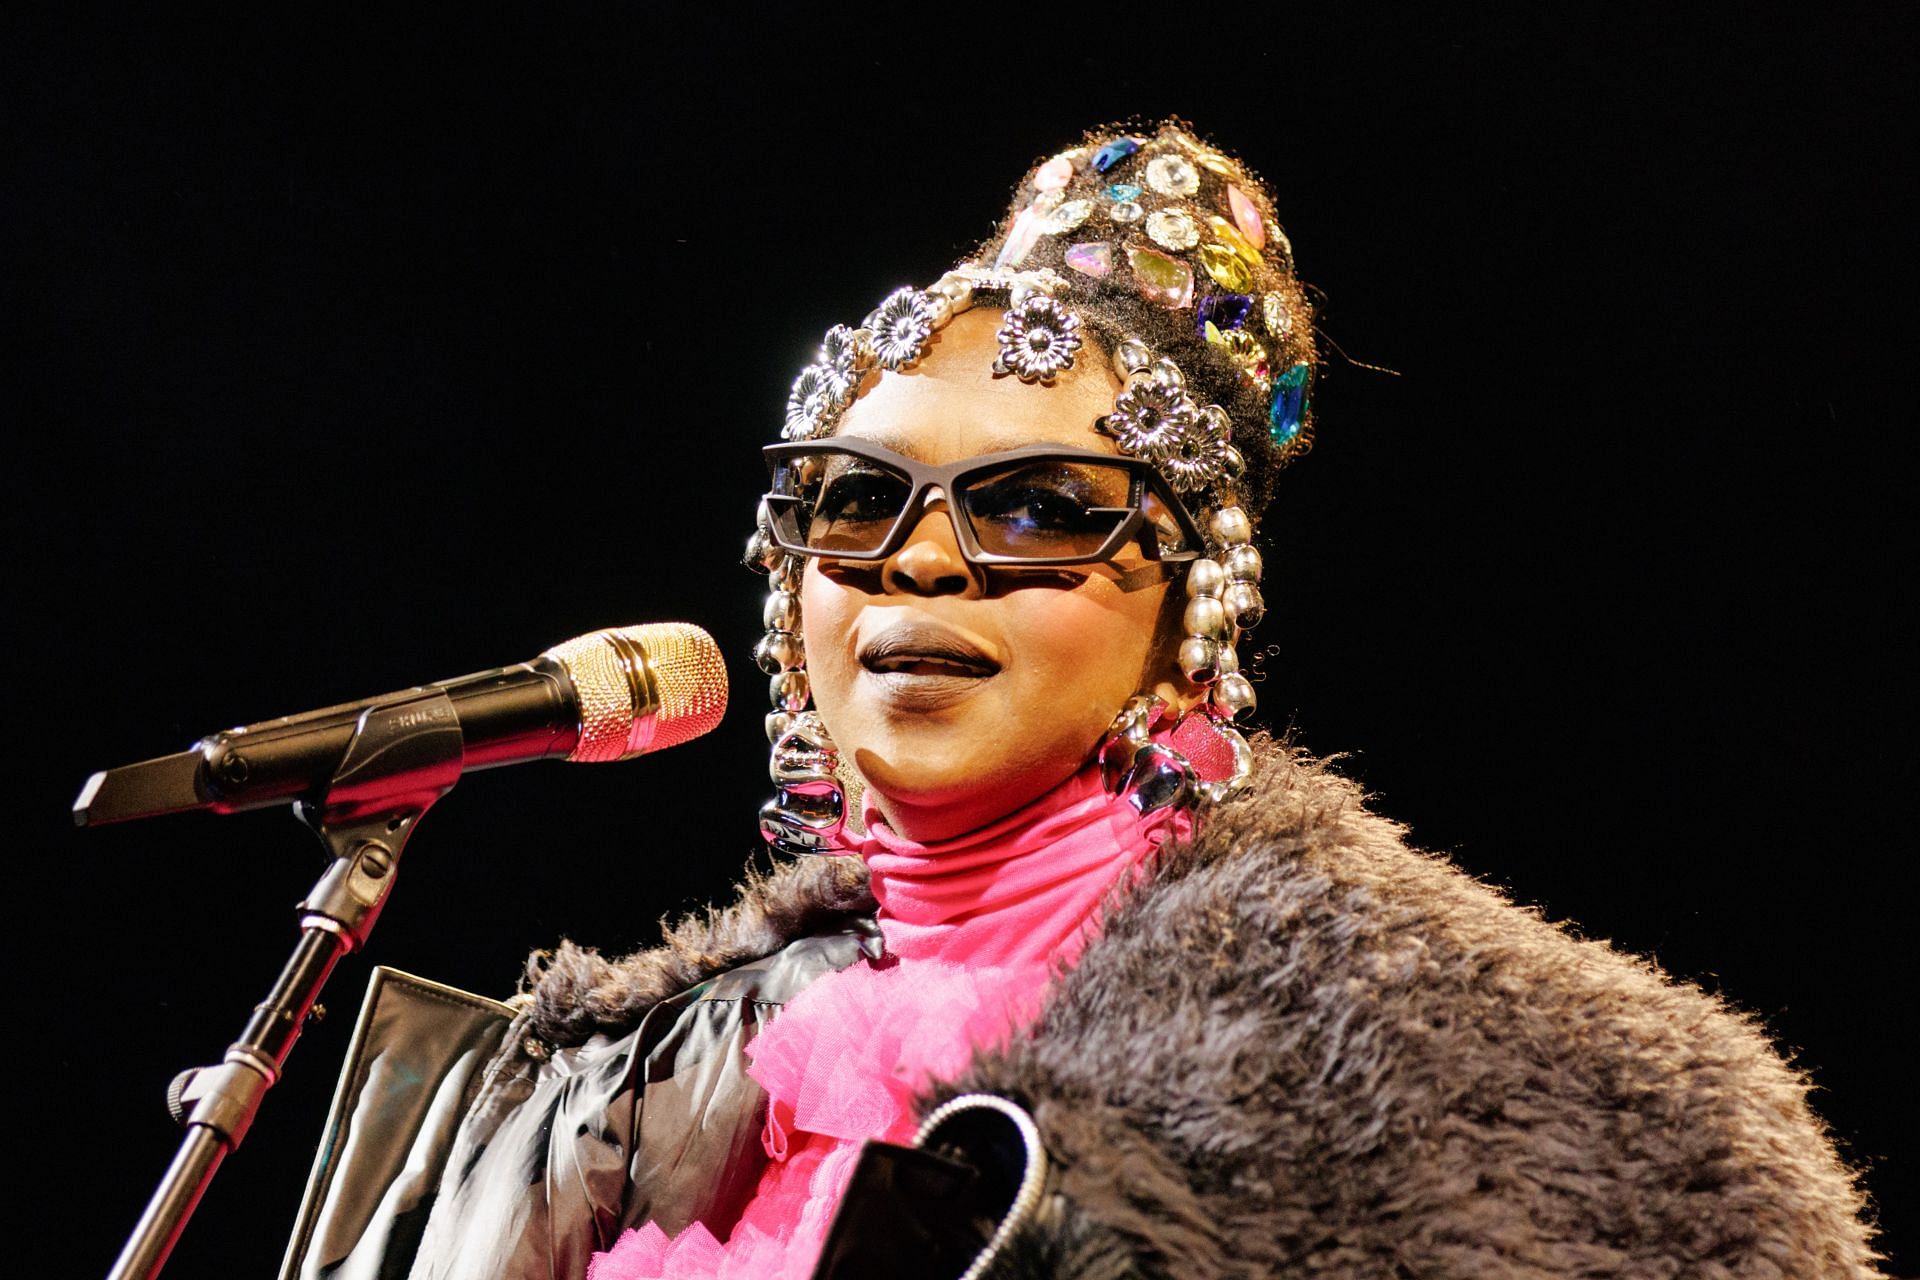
(529, 711)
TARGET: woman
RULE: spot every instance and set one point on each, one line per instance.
(1229, 1022)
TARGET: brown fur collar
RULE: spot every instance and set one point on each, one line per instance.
(1302, 1048)
(578, 993)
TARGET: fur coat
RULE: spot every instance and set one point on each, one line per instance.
(1304, 1049)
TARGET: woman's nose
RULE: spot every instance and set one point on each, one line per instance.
(929, 563)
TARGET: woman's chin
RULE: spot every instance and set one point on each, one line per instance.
(944, 790)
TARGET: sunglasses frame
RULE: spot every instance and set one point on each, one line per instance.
(1143, 477)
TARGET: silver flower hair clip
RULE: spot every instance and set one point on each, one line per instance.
(1038, 339)
(1153, 416)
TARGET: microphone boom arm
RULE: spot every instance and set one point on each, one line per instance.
(405, 752)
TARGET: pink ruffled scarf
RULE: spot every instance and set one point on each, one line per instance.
(975, 927)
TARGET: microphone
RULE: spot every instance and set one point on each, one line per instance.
(607, 695)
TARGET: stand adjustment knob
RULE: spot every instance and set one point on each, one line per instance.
(177, 1095)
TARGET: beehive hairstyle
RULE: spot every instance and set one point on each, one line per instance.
(1268, 359)
(1165, 253)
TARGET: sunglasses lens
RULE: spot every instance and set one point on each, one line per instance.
(835, 503)
(1047, 509)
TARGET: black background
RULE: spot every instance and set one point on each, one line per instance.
(365, 351)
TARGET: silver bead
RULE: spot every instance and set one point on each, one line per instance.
(780, 651)
(762, 555)
(1243, 563)
(805, 753)
(1159, 778)
(786, 572)
(1206, 617)
(1234, 695)
(1235, 464)
(781, 612)
(778, 722)
(939, 308)
(790, 690)
(1143, 711)
(1200, 659)
(1167, 372)
(1231, 526)
(1130, 357)
(1244, 605)
(1205, 578)
(1229, 660)
(1131, 730)
(958, 290)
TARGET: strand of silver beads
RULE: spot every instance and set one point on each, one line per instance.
(1223, 587)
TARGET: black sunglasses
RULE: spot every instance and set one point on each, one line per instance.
(851, 499)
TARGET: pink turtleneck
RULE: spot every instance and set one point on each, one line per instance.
(1017, 892)
(975, 929)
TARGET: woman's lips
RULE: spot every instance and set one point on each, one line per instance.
(921, 667)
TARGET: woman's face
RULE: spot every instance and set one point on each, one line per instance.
(962, 692)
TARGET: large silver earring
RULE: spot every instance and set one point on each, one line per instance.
(808, 812)
(1223, 599)
(1154, 775)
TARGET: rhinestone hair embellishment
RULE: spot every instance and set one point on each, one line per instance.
(1066, 217)
(1172, 174)
(1173, 229)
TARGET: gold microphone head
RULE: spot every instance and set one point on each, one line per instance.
(642, 689)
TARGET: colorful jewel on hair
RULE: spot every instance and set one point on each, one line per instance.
(1114, 152)
(1289, 410)
(1227, 268)
(1159, 278)
(1229, 235)
(1091, 258)
(1024, 231)
(1054, 174)
(1248, 356)
(1223, 311)
(1247, 216)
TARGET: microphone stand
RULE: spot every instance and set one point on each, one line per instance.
(406, 753)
